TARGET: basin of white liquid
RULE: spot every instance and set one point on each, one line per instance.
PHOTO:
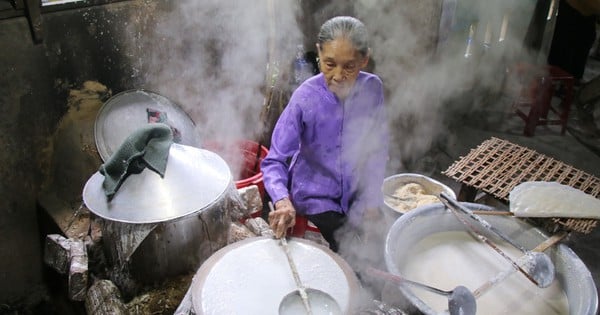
(448, 259)
(429, 245)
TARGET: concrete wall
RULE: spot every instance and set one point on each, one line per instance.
(170, 47)
(28, 106)
(34, 83)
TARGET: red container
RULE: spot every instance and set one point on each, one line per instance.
(302, 225)
(243, 158)
(250, 173)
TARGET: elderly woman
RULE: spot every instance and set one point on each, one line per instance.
(329, 146)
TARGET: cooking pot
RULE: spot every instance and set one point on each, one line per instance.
(252, 276)
(573, 276)
(163, 226)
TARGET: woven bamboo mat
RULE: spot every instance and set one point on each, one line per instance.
(496, 166)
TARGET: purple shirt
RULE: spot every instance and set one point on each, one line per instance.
(328, 154)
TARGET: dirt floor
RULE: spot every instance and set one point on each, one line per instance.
(162, 299)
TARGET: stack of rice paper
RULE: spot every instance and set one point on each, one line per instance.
(538, 199)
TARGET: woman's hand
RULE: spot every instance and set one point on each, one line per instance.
(282, 218)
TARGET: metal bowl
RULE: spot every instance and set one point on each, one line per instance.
(573, 276)
(390, 184)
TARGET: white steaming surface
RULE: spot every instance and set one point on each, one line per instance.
(448, 259)
(255, 277)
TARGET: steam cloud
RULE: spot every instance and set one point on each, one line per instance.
(211, 56)
(431, 82)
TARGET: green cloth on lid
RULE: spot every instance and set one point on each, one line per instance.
(146, 147)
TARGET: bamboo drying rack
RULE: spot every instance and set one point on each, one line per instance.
(496, 166)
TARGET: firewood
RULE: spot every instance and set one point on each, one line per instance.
(78, 271)
(238, 232)
(259, 226)
(104, 297)
(252, 199)
(56, 253)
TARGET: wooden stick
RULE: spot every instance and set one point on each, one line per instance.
(493, 212)
(504, 274)
(474, 231)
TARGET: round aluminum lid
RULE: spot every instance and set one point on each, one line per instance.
(125, 112)
(194, 179)
(253, 276)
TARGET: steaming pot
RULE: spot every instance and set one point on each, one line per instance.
(573, 276)
(165, 226)
(252, 276)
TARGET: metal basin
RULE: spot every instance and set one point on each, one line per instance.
(390, 184)
(573, 276)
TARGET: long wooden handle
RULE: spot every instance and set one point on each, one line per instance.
(288, 255)
(479, 235)
(549, 242)
(301, 288)
(493, 212)
(454, 204)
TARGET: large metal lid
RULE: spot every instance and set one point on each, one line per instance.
(194, 179)
(253, 276)
(127, 111)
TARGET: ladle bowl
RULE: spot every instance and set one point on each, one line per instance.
(461, 300)
(541, 269)
(321, 303)
(538, 267)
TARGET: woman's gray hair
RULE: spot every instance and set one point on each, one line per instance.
(345, 26)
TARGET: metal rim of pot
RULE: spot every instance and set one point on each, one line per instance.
(194, 180)
(220, 278)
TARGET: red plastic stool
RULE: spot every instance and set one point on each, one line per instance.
(563, 83)
(302, 225)
(540, 84)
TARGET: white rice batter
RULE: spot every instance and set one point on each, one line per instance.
(448, 259)
(552, 199)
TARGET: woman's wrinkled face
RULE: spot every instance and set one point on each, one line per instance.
(340, 62)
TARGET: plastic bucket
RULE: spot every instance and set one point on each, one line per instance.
(302, 225)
